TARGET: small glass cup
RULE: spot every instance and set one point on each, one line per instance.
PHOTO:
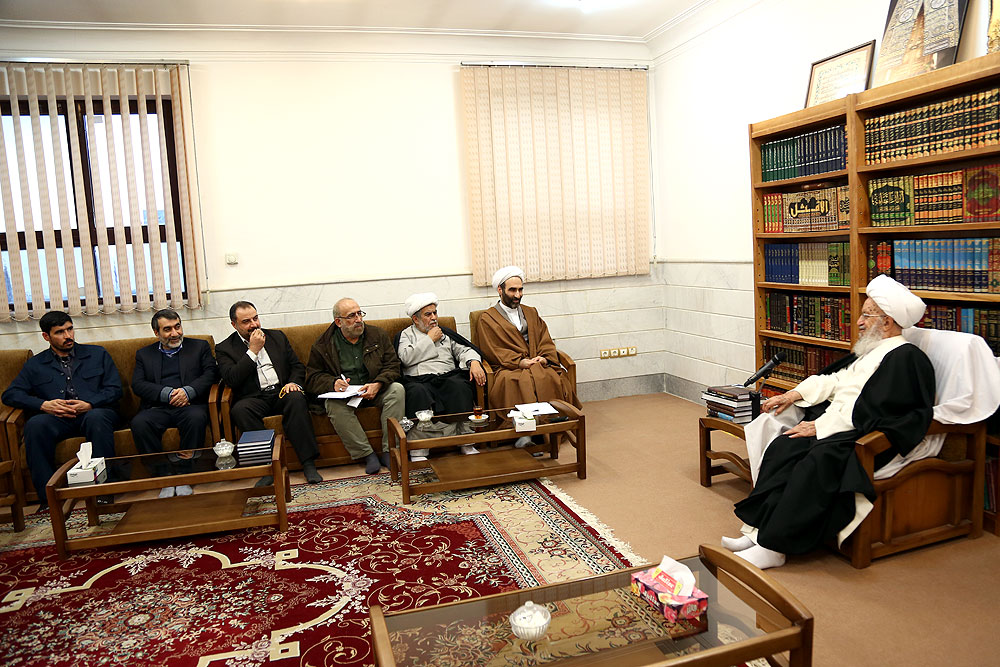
(477, 411)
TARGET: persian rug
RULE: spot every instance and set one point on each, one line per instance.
(259, 597)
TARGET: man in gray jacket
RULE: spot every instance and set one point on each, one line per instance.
(439, 366)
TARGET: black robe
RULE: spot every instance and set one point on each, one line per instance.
(805, 488)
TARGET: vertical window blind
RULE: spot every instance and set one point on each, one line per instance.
(98, 207)
(558, 170)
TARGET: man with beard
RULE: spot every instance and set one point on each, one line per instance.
(516, 342)
(69, 389)
(439, 366)
(352, 353)
(266, 377)
(173, 378)
(810, 485)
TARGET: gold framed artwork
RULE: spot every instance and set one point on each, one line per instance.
(920, 36)
(841, 74)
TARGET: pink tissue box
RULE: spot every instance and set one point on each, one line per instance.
(658, 592)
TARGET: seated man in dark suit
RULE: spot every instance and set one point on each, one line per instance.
(173, 377)
(69, 389)
(266, 378)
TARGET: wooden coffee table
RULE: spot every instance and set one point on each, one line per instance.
(492, 465)
(594, 622)
(161, 518)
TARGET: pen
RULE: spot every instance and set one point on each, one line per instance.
(344, 379)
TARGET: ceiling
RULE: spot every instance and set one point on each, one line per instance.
(623, 19)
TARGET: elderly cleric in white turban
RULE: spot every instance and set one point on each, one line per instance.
(899, 303)
(501, 276)
(416, 302)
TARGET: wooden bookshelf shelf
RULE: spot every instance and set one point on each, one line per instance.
(958, 297)
(988, 228)
(781, 383)
(805, 288)
(832, 235)
(807, 340)
(939, 159)
(801, 180)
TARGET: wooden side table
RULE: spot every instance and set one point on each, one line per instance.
(731, 462)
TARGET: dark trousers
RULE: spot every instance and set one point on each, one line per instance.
(248, 415)
(43, 431)
(447, 393)
(149, 424)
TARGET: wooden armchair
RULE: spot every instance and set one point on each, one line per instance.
(11, 482)
(331, 448)
(564, 359)
(123, 355)
(931, 499)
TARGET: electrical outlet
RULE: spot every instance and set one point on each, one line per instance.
(614, 352)
(632, 351)
(605, 354)
(623, 352)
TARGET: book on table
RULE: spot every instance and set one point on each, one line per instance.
(255, 447)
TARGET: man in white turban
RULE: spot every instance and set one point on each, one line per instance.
(516, 342)
(439, 365)
(809, 486)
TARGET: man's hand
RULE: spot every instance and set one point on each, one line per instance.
(341, 384)
(527, 363)
(802, 430)
(777, 404)
(289, 388)
(435, 333)
(256, 342)
(542, 361)
(179, 398)
(59, 408)
(79, 407)
(370, 390)
(476, 373)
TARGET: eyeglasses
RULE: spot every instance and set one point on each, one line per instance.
(870, 315)
(353, 316)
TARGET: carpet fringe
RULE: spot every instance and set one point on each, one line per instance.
(604, 530)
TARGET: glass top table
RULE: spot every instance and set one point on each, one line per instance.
(204, 511)
(599, 621)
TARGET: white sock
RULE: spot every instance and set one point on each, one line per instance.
(762, 557)
(523, 441)
(167, 492)
(737, 543)
(469, 449)
(184, 490)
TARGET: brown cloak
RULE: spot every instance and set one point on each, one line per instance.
(503, 347)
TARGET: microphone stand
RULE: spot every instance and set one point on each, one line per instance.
(755, 393)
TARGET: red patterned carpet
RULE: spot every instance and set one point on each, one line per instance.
(258, 597)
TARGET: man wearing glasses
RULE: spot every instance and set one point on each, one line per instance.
(350, 353)
(810, 486)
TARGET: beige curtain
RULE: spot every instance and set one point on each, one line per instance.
(82, 191)
(558, 171)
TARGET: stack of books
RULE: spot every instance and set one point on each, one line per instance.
(730, 402)
(254, 447)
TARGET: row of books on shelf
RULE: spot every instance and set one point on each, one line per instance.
(983, 322)
(815, 152)
(990, 492)
(958, 196)
(730, 402)
(819, 264)
(801, 361)
(826, 317)
(957, 123)
(822, 210)
(947, 265)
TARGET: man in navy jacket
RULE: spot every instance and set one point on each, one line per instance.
(173, 378)
(69, 390)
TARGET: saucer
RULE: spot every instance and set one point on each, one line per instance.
(480, 418)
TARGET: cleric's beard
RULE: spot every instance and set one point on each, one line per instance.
(868, 341)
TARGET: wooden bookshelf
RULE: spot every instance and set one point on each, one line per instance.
(965, 78)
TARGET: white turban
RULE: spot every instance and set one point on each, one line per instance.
(896, 301)
(506, 272)
(416, 302)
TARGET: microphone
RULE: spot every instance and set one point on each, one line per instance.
(766, 369)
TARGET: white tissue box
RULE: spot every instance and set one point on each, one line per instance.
(522, 424)
(94, 473)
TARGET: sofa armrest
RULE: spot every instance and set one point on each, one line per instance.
(225, 405)
(567, 362)
(483, 393)
(213, 411)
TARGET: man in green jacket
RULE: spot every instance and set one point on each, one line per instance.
(352, 353)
